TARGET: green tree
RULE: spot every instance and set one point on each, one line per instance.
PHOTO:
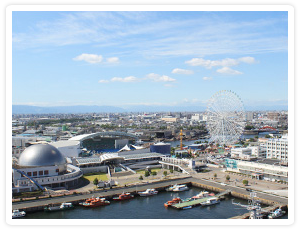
(165, 173)
(267, 136)
(141, 177)
(245, 182)
(171, 171)
(215, 175)
(96, 181)
(154, 173)
(147, 173)
(227, 177)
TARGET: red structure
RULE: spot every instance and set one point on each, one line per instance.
(267, 128)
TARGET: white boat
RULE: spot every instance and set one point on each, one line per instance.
(170, 189)
(63, 206)
(277, 213)
(203, 194)
(210, 201)
(148, 192)
(180, 188)
(17, 214)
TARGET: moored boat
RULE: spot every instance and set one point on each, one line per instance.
(171, 202)
(210, 201)
(124, 196)
(203, 194)
(170, 189)
(63, 206)
(17, 214)
(277, 213)
(148, 192)
(180, 188)
(95, 202)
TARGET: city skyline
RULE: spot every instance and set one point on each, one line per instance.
(148, 58)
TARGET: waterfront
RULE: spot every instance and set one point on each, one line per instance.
(148, 208)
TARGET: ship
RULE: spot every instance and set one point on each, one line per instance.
(124, 196)
(63, 206)
(171, 202)
(95, 202)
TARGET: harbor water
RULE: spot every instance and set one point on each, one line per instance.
(149, 208)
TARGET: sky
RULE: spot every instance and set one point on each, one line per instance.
(158, 58)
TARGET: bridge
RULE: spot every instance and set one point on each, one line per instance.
(267, 128)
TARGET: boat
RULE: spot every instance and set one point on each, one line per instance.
(148, 192)
(63, 206)
(170, 189)
(124, 196)
(210, 201)
(180, 188)
(277, 213)
(17, 214)
(187, 207)
(203, 194)
(171, 202)
(95, 202)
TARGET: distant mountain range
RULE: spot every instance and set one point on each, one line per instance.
(27, 109)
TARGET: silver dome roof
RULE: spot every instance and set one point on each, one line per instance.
(41, 155)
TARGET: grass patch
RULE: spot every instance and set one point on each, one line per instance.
(142, 171)
(92, 176)
(28, 194)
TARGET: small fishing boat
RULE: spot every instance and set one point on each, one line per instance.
(171, 202)
(170, 189)
(124, 196)
(203, 194)
(17, 214)
(277, 213)
(210, 201)
(63, 206)
(180, 188)
(95, 202)
(148, 192)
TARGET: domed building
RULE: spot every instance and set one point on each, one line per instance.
(43, 165)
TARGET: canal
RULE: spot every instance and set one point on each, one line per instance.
(148, 208)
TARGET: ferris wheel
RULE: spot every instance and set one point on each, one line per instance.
(225, 117)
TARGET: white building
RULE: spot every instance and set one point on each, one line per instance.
(258, 151)
(241, 153)
(68, 148)
(278, 149)
(258, 170)
(43, 165)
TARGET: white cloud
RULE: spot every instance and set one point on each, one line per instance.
(160, 78)
(103, 81)
(182, 71)
(224, 62)
(248, 60)
(207, 78)
(90, 58)
(113, 60)
(125, 79)
(229, 71)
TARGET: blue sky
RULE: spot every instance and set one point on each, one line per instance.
(148, 58)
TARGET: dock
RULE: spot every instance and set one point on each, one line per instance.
(197, 202)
